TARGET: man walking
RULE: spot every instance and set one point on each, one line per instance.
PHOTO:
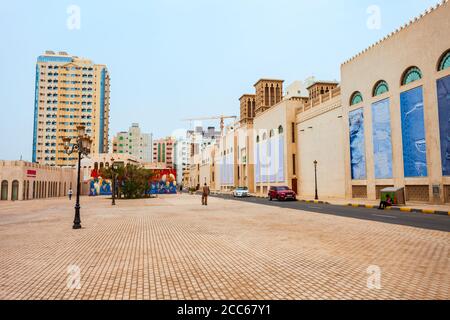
(70, 194)
(205, 194)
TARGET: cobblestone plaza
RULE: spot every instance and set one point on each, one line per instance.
(171, 247)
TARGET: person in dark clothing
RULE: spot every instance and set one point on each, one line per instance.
(205, 194)
(387, 203)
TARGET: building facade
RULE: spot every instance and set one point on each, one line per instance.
(320, 132)
(181, 158)
(163, 151)
(21, 180)
(396, 110)
(135, 143)
(69, 91)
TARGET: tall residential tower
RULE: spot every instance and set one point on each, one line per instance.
(69, 91)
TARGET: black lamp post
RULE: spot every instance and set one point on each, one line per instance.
(315, 179)
(82, 146)
(114, 167)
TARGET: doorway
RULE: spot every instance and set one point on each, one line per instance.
(294, 185)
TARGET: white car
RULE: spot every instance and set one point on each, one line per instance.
(241, 192)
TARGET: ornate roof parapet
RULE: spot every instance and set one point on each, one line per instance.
(406, 25)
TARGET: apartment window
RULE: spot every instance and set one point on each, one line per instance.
(294, 164)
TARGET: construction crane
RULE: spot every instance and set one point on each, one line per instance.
(221, 118)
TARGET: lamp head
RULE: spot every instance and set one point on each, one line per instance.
(81, 130)
(86, 144)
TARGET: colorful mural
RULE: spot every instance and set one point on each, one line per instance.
(443, 91)
(382, 145)
(99, 186)
(413, 133)
(164, 182)
(357, 144)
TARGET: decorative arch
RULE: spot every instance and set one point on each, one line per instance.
(4, 190)
(410, 75)
(280, 129)
(444, 61)
(264, 136)
(15, 190)
(380, 88)
(356, 98)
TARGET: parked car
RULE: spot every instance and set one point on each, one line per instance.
(241, 192)
(282, 194)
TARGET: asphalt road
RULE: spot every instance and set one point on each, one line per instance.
(411, 219)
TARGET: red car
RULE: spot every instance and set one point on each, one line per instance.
(282, 194)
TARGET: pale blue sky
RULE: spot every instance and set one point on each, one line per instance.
(173, 59)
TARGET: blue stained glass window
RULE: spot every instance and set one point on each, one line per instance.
(356, 98)
(411, 75)
(380, 88)
(445, 62)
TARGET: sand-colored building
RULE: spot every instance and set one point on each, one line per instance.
(274, 137)
(395, 98)
(320, 132)
(69, 91)
(228, 159)
(245, 143)
(22, 180)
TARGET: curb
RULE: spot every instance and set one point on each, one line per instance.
(314, 201)
(402, 209)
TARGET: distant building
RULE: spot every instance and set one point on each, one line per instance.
(69, 91)
(181, 158)
(135, 143)
(199, 140)
(163, 151)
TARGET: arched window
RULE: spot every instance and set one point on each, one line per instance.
(257, 139)
(444, 62)
(4, 192)
(411, 75)
(380, 88)
(271, 133)
(280, 130)
(15, 190)
(264, 136)
(356, 98)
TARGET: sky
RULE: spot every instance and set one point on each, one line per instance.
(176, 59)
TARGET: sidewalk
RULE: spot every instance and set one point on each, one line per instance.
(370, 204)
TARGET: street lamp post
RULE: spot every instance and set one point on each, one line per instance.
(82, 146)
(113, 182)
(315, 179)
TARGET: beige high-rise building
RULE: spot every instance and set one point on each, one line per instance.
(69, 91)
